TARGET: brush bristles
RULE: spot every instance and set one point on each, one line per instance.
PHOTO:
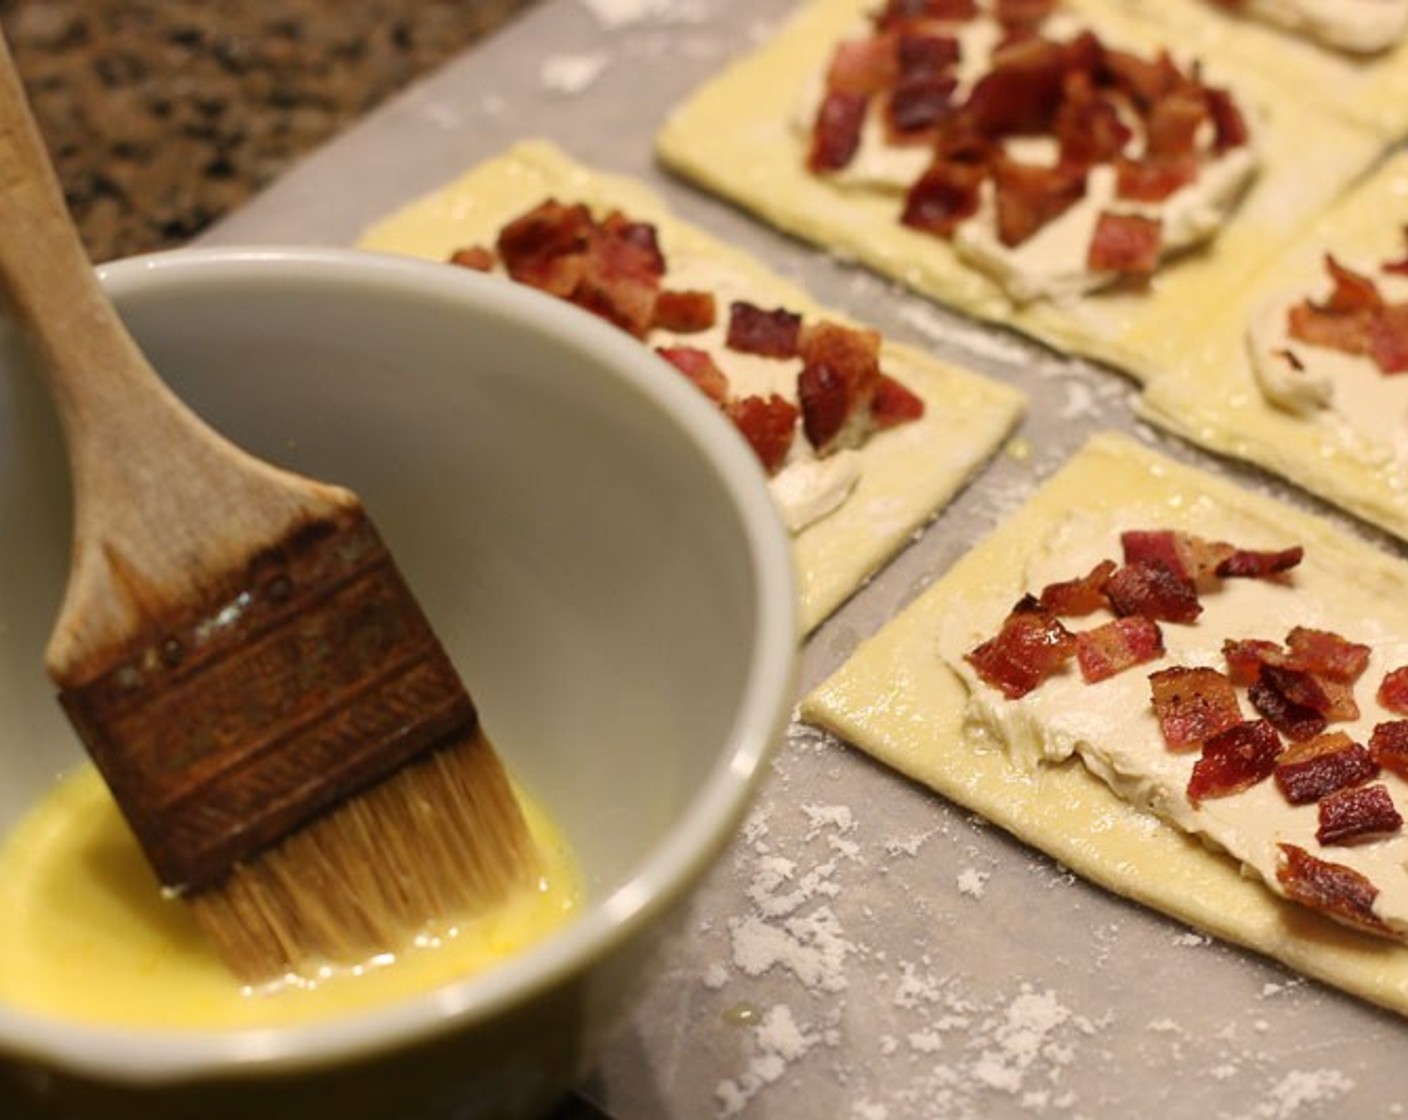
(442, 838)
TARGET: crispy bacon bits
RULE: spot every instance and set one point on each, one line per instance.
(1118, 645)
(1355, 816)
(1355, 319)
(1233, 760)
(1193, 704)
(753, 330)
(1308, 771)
(1075, 597)
(1295, 687)
(1154, 122)
(1393, 691)
(1331, 888)
(1152, 590)
(1031, 646)
(769, 424)
(1388, 746)
(614, 267)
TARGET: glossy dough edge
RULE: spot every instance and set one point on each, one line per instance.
(734, 137)
(896, 700)
(908, 473)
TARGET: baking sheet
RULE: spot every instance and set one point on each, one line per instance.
(866, 951)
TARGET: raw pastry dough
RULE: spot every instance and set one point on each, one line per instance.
(1370, 89)
(1354, 456)
(898, 700)
(737, 137)
(906, 474)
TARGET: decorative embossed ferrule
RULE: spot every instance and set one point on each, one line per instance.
(318, 679)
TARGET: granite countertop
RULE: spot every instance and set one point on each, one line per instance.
(164, 115)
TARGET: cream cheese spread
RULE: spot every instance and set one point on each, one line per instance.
(1367, 408)
(807, 487)
(1111, 725)
(1052, 263)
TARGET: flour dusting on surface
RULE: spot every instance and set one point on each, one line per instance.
(615, 14)
(861, 987)
(572, 73)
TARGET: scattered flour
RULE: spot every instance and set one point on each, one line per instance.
(1303, 1088)
(616, 14)
(572, 73)
(906, 1030)
(780, 1041)
(972, 882)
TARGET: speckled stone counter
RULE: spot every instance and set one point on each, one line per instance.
(164, 115)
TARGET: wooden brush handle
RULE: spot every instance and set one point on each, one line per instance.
(161, 502)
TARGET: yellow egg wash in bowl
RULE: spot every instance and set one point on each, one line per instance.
(598, 553)
(89, 936)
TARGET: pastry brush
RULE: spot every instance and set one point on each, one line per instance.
(246, 666)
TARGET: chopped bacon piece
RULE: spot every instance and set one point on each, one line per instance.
(1190, 557)
(1193, 705)
(1245, 657)
(1075, 597)
(1393, 691)
(1295, 720)
(915, 107)
(894, 404)
(1388, 338)
(1088, 126)
(1125, 243)
(1156, 546)
(545, 247)
(685, 312)
(1247, 563)
(1023, 15)
(1352, 291)
(1388, 746)
(477, 257)
(644, 257)
(1308, 771)
(769, 424)
(1234, 760)
(836, 133)
(924, 56)
(1021, 91)
(611, 268)
(1031, 646)
(1029, 196)
(1303, 688)
(903, 11)
(1306, 322)
(700, 367)
(1344, 321)
(946, 194)
(1230, 128)
(1117, 645)
(862, 67)
(1330, 888)
(1154, 179)
(1353, 816)
(1327, 654)
(752, 330)
(840, 372)
(1172, 123)
(1316, 671)
(1154, 591)
(1145, 80)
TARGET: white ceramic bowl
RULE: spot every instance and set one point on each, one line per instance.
(599, 554)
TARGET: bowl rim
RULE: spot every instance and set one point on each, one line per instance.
(154, 1056)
